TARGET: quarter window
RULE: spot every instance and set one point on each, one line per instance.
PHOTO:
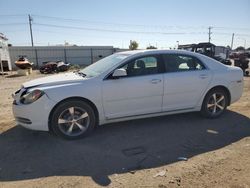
(179, 63)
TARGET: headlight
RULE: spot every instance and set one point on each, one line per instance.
(31, 97)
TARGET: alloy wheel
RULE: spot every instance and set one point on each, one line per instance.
(216, 103)
(73, 121)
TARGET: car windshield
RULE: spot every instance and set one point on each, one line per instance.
(103, 65)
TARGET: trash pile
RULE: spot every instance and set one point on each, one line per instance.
(54, 67)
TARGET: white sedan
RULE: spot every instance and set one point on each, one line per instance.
(124, 86)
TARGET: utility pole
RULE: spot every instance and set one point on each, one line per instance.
(209, 34)
(31, 34)
(31, 37)
(232, 42)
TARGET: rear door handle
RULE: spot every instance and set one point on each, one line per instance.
(203, 76)
(155, 81)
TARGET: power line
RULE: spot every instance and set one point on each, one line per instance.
(108, 30)
(13, 24)
(96, 36)
(12, 15)
(135, 32)
(238, 34)
(139, 25)
(231, 28)
(126, 24)
(118, 24)
(14, 31)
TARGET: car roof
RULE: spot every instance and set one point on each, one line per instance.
(209, 62)
(140, 52)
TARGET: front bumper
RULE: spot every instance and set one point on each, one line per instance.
(34, 116)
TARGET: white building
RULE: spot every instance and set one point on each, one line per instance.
(4, 54)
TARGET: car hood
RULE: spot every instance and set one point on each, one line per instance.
(54, 80)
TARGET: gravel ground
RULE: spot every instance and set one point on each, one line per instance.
(138, 153)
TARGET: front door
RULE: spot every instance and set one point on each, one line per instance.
(140, 92)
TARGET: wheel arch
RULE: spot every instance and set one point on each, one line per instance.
(225, 89)
(74, 98)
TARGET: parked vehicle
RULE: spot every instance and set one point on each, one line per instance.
(23, 63)
(124, 86)
(54, 66)
(234, 55)
(241, 61)
(218, 53)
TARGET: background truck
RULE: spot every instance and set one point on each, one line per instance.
(219, 53)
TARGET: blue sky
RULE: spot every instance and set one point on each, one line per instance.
(112, 22)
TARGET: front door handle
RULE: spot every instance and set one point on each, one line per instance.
(155, 81)
(203, 76)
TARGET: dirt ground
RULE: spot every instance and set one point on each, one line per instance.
(138, 153)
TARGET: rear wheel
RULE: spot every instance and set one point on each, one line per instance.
(73, 119)
(215, 103)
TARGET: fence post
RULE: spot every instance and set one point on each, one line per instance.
(91, 52)
(65, 55)
(36, 58)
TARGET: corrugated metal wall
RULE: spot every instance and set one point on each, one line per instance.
(81, 55)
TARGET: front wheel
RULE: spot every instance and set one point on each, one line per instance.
(215, 103)
(73, 119)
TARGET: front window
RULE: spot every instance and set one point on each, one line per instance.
(142, 66)
(103, 65)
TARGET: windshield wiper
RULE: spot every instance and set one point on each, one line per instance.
(80, 73)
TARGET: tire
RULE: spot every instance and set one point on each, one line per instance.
(73, 119)
(215, 103)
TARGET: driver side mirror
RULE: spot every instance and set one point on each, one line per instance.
(119, 73)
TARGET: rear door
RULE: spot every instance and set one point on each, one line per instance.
(185, 81)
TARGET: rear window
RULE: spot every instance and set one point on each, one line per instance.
(179, 63)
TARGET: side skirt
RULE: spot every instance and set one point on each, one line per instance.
(150, 115)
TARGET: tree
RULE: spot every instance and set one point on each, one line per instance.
(240, 48)
(248, 48)
(133, 45)
(151, 47)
